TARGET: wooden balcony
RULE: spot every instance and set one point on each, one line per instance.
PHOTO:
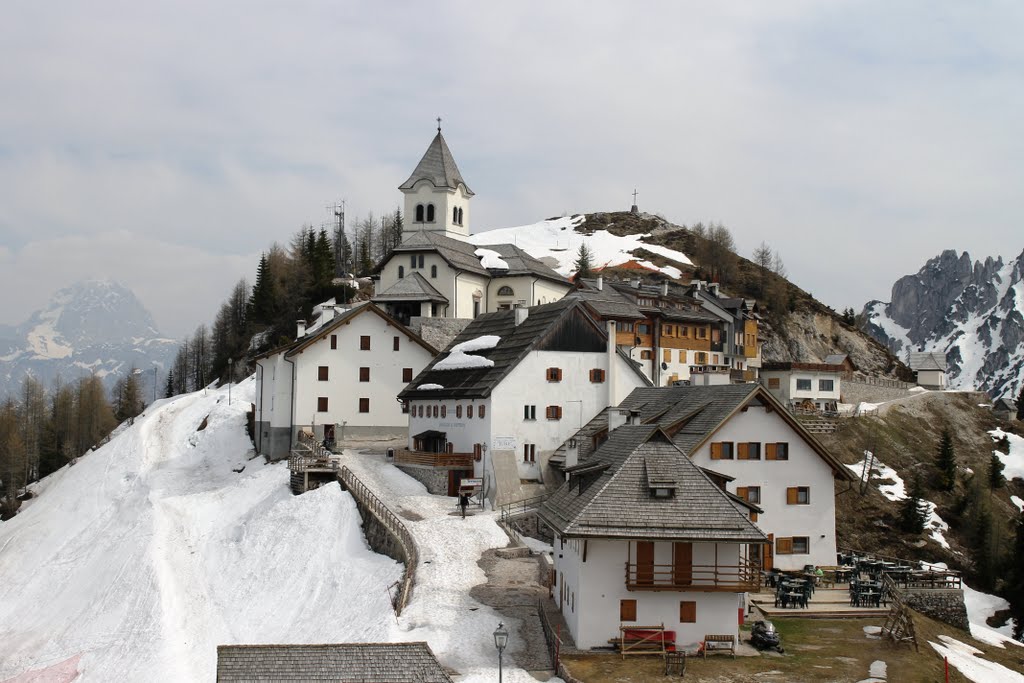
(448, 461)
(695, 578)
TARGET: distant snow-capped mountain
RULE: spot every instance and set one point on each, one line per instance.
(93, 326)
(972, 310)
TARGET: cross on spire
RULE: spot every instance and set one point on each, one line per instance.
(438, 124)
(634, 195)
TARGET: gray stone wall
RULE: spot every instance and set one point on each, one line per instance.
(946, 605)
(438, 332)
(857, 392)
(379, 538)
(273, 442)
(436, 480)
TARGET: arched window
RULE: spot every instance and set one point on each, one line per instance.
(433, 271)
(459, 221)
(458, 411)
(506, 291)
(419, 213)
(455, 214)
(401, 272)
(430, 213)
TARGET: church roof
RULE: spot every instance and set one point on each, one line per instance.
(933, 360)
(438, 167)
(413, 287)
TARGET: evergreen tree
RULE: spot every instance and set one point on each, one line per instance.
(128, 396)
(913, 510)
(323, 261)
(169, 386)
(584, 262)
(995, 472)
(13, 468)
(342, 253)
(1020, 403)
(1015, 578)
(262, 301)
(945, 461)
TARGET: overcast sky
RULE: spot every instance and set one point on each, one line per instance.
(165, 144)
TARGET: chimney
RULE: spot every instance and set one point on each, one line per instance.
(616, 418)
(301, 329)
(713, 288)
(521, 314)
(612, 383)
(664, 288)
(635, 283)
(600, 282)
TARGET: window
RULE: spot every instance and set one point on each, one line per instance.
(412, 260)
(436, 411)
(627, 610)
(666, 331)
(748, 451)
(430, 213)
(396, 344)
(480, 411)
(419, 259)
(722, 450)
(798, 495)
(364, 343)
(645, 355)
(701, 358)
(597, 375)
(455, 214)
(364, 405)
(321, 373)
(321, 404)
(529, 452)
(773, 382)
(478, 452)
(803, 385)
(623, 327)
(469, 412)
(419, 213)
(405, 407)
(687, 612)
(666, 355)
(682, 356)
(643, 328)
(702, 333)
(444, 411)
(364, 374)
(334, 341)
(401, 272)
(553, 412)
(776, 451)
(751, 494)
(458, 411)
(433, 271)
(783, 546)
(801, 545)
(506, 291)
(826, 385)
(420, 411)
(529, 412)
(460, 216)
(796, 545)
(554, 374)
(407, 375)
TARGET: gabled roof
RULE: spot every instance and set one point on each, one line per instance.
(932, 360)
(412, 287)
(340, 319)
(617, 300)
(616, 502)
(516, 341)
(693, 414)
(339, 663)
(520, 263)
(438, 168)
(1005, 404)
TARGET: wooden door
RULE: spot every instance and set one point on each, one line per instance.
(645, 563)
(768, 554)
(682, 564)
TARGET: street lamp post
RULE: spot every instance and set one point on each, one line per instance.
(231, 375)
(500, 641)
(154, 383)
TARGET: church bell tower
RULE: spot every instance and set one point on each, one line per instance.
(436, 196)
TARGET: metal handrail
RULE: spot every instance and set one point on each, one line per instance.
(369, 500)
(521, 507)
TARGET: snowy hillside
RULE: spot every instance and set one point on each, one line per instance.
(135, 563)
(973, 311)
(93, 326)
(557, 243)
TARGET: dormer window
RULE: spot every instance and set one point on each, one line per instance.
(663, 492)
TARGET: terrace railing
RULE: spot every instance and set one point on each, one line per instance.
(698, 577)
(459, 461)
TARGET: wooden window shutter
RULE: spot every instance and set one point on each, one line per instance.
(770, 451)
(481, 411)
(334, 341)
(322, 373)
(716, 451)
(406, 374)
(753, 516)
(743, 451)
(687, 612)
(791, 495)
(364, 374)
(627, 610)
(397, 343)
(783, 546)
(741, 492)
(364, 343)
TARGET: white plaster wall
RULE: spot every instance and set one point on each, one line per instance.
(443, 283)
(466, 285)
(817, 520)
(528, 288)
(547, 291)
(462, 432)
(601, 584)
(787, 391)
(343, 388)
(567, 577)
(274, 392)
(443, 200)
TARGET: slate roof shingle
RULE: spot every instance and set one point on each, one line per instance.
(339, 663)
(438, 167)
(413, 287)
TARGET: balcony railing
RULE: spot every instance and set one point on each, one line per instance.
(454, 461)
(741, 375)
(695, 578)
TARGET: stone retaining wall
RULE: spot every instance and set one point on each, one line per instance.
(436, 480)
(857, 392)
(946, 605)
(379, 538)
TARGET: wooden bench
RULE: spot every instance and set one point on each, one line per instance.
(719, 643)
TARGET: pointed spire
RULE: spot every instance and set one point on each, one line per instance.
(437, 166)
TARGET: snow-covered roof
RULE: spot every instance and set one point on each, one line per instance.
(491, 259)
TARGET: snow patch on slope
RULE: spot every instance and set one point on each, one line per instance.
(1013, 462)
(967, 661)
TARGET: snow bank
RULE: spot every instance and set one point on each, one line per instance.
(981, 606)
(460, 359)
(966, 660)
(151, 551)
(557, 241)
(491, 259)
(430, 387)
(1016, 500)
(481, 343)
(1013, 462)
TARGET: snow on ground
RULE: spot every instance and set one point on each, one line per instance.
(151, 551)
(966, 660)
(879, 315)
(897, 490)
(981, 606)
(557, 240)
(458, 628)
(1016, 500)
(1013, 462)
